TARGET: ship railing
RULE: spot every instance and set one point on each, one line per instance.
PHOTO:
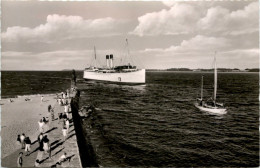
(129, 70)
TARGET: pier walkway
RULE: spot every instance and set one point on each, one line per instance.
(57, 143)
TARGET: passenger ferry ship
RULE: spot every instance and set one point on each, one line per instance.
(124, 74)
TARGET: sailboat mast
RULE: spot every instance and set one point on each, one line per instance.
(127, 51)
(215, 78)
(95, 63)
(202, 88)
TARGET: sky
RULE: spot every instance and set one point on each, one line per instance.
(45, 35)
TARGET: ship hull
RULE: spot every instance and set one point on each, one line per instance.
(212, 110)
(136, 77)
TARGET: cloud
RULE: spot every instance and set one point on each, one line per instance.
(219, 19)
(169, 3)
(55, 60)
(198, 52)
(198, 43)
(179, 19)
(60, 27)
(188, 18)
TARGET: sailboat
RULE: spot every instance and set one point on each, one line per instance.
(211, 105)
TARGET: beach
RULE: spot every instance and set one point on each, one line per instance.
(21, 116)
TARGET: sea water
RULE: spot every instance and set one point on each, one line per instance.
(157, 124)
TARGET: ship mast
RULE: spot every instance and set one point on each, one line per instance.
(215, 79)
(127, 51)
(95, 62)
(201, 87)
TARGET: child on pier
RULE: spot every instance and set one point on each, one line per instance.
(18, 139)
(60, 102)
(37, 163)
(64, 132)
(49, 108)
(67, 122)
(20, 160)
(60, 117)
(63, 158)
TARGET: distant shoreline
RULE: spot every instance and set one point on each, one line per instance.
(201, 71)
(147, 70)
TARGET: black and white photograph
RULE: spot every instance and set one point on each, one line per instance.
(129, 83)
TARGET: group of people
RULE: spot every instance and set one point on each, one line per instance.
(43, 140)
(63, 100)
(63, 118)
(37, 163)
(44, 144)
(25, 143)
(43, 122)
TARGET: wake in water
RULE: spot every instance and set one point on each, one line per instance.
(158, 125)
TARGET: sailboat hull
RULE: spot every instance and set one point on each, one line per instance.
(212, 110)
(135, 77)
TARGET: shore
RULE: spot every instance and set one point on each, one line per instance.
(21, 116)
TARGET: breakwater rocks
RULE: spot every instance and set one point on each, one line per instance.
(104, 146)
(87, 154)
(96, 147)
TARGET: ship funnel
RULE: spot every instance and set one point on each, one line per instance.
(111, 61)
(107, 58)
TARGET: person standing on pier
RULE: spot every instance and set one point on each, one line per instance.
(60, 102)
(46, 146)
(49, 108)
(20, 160)
(22, 137)
(41, 123)
(64, 116)
(64, 101)
(52, 114)
(18, 140)
(67, 122)
(40, 141)
(27, 145)
(66, 110)
(64, 132)
(73, 79)
(60, 117)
